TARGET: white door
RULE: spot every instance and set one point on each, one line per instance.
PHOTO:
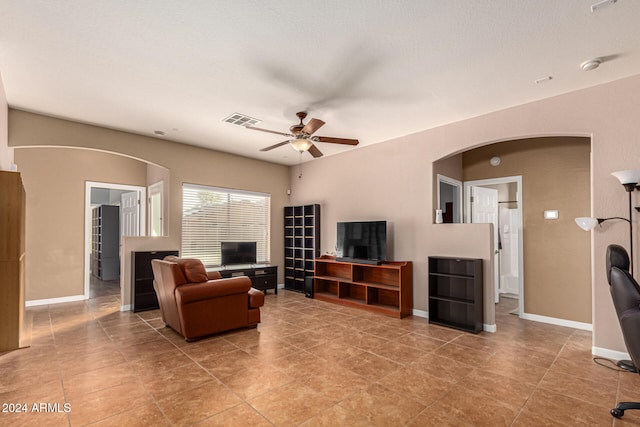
(509, 253)
(129, 213)
(156, 226)
(483, 204)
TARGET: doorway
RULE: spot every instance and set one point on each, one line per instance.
(126, 218)
(499, 201)
(450, 199)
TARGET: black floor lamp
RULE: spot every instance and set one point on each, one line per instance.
(630, 180)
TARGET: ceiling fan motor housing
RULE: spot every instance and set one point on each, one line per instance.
(296, 129)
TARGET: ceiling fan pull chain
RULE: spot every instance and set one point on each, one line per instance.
(300, 166)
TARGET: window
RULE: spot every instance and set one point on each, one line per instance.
(213, 215)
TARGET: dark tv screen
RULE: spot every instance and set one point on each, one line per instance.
(238, 253)
(364, 240)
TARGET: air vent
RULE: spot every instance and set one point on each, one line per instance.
(241, 120)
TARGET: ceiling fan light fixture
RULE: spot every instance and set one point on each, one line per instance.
(301, 144)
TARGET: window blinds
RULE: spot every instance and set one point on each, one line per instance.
(212, 215)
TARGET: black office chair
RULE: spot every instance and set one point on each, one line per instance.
(626, 299)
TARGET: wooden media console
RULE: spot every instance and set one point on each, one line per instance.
(385, 288)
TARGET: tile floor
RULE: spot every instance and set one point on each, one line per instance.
(309, 363)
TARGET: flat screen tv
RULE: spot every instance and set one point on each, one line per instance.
(362, 241)
(238, 253)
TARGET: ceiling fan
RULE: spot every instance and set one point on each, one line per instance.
(301, 137)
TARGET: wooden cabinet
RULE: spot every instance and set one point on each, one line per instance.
(301, 244)
(455, 293)
(12, 262)
(144, 295)
(105, 242)
(385, 288)
(262, 278)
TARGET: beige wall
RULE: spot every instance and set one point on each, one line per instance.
(555, 176)
(394, 181)
(185, 164)
(54, 181)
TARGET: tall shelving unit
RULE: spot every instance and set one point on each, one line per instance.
(301, 244)
(105, 253)
(455, 293)
(12, 262)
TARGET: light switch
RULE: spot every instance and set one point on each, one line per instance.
(550, 214)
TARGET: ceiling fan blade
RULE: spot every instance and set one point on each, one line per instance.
(345, 141)
(271, 147)
(313, 150)
(312, 126)
(269, 131)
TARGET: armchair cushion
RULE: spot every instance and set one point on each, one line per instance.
(194, 270)
(214, 275)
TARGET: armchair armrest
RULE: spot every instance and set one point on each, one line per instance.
(256, 298)
(212, 289)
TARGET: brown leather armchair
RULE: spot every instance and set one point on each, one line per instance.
(195, 303)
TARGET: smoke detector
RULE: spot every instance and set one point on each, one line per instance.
(591, 64)
(601, 4)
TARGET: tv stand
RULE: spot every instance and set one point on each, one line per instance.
(385, 288)
(360, 261)
(263, 277)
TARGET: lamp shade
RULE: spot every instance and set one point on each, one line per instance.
(627, 176)
(586, 223)
(301, 144)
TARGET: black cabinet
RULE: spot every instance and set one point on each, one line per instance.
(262, 278)
(301, 244)
(455, 293)
(144, 296)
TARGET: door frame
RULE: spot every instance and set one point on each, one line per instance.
(506, 180)
(90, 185)
(157, 188)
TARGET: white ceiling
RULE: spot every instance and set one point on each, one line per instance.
(372, 70)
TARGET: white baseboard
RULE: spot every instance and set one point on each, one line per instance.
(559, 322)
(489, 328)
(420, 313)
(47, 301)
(610, 354)
(127, 307)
